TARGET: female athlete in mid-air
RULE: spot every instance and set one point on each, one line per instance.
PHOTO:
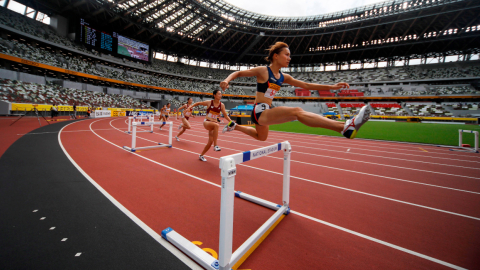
(214, 108)
(269, 81)
(164, 114)
(187, 113)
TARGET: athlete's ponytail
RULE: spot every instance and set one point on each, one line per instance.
(275, 49)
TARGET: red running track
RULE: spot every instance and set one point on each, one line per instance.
(356, 204)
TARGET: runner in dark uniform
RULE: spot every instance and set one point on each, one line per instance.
(269, 81)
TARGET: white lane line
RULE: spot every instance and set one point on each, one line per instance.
(371, 145)
(35, 210)
(52, 228)
(303, 215)
(78, 254)
(372, 163)
(64, 239)
(43, 218)
(353, 153)
(316, 142)
(292, 140)
(379, 241)
(129, 214)
(347, 189)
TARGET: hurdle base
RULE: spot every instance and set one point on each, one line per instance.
(260, 201)
(193, 251)
(462, 149)
(147, 147)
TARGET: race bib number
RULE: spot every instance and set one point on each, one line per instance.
(260, 107)
(272, 90)
(213, 115)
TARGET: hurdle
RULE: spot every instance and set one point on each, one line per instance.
(134, 135)
(134, 118)
(460, 141)
(227, 259)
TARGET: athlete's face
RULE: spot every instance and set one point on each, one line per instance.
(168, 106)
(283, 58)
(218, 95)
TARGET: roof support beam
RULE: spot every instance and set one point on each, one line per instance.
(255, 41)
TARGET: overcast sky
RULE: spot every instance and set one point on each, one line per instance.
(293, 8)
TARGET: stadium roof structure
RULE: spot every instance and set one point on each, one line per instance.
(216, 31)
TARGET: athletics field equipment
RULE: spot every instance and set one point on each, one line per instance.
(227, 259)
(151, 124)
(461, 146)
(135, 119)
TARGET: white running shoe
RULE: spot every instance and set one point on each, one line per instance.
(178, 139)
(180, 127)
(217, 148)
(160, 128)
(353, 125)
(229, 127)
(202, 158)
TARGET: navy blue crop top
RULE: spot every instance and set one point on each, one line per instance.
(272, 86)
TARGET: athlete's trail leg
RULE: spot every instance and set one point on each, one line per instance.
(209, 143)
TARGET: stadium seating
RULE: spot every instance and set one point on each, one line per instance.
(394, 109)
(22, 92)
(351, 108)
(43, 54)
(427, 109)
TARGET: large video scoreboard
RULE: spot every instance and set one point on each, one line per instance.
(111, 42)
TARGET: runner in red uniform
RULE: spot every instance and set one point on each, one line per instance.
(214, 108)
(165, 113)
(187, 113)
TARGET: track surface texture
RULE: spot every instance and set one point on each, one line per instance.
(356, 204)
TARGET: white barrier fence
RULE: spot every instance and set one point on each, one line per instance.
(133, 148)
(227, 259)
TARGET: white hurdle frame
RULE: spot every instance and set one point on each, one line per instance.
(134, 135)
(460, 141)
(228, 260)
(134, 118)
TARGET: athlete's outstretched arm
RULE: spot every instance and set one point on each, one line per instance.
(256, 71)
(203, 103)
(225, 115)
(313, 86)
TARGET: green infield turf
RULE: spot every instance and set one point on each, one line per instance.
(444, 134)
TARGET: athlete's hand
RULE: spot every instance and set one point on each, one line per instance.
(340, 85)
(224, 85)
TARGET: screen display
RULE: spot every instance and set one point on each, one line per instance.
(132, 48)
(110, 42)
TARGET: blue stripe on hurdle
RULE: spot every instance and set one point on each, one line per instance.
(279, 146)
(246, 156)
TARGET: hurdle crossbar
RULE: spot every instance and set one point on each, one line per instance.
(151, 124)
(460, 141)
(133, 118)
(227, 259)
